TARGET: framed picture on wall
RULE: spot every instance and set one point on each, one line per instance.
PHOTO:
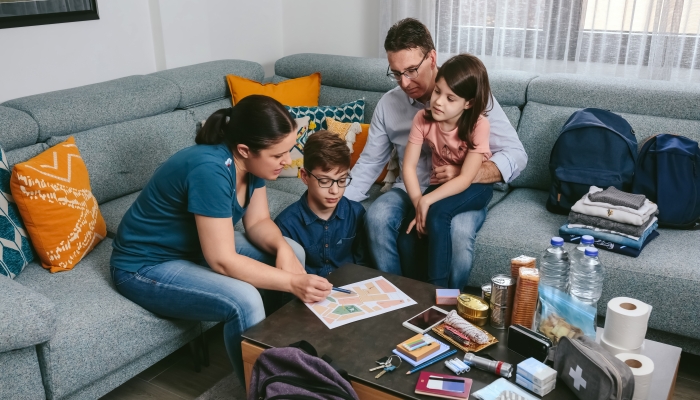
(16, 13)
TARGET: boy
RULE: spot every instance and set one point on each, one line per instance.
(327, 225)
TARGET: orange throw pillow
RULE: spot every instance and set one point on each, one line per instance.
(359, 145)
(299, 92)
(53, 194)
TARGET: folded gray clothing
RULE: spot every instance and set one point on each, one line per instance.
(618, 198)
(602, 223)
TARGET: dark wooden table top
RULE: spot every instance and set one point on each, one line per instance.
(356, 346)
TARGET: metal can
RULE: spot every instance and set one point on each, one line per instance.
(486, 292)
(473, 308)
(502, 295)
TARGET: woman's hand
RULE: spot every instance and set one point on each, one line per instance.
(287, 261)
(310, 288)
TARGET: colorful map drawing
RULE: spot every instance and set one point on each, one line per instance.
(372, 297)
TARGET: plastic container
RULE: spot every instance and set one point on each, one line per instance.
(587, 278)
(576, 255)
(554, 268)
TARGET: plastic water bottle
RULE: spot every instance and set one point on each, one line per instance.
(587, 278)
(554, 268)
(577, 255)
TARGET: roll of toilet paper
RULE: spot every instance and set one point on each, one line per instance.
(642, 368)
(626, 322)
(614, 350)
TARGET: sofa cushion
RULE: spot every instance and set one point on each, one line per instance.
(202, 83)
(98, 330)
(74, 110)
(639, 96)
(202, 112)
(25, 153)
(21, 375)
(510, 87)
(539, 130)
(18, 129)
(661, 276)
(513, 114)
(121, 158)
(27, 318)
(113, 211)
(332, 96)
(302, 91)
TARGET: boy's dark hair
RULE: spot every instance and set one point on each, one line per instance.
(409, 33)
(326, 150)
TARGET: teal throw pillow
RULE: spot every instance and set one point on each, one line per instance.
(348, 112)
(15, 249)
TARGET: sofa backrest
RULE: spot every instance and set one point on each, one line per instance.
(651, 107)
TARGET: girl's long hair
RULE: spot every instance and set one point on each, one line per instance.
(256, 121)
(466, 76)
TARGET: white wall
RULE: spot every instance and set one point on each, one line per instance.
(342, 27)
(38, 59)
(143, 36)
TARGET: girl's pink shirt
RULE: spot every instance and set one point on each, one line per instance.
(446, 146)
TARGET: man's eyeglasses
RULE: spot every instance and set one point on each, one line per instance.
(410, 73)
(328, 182)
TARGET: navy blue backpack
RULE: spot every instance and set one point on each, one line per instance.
(595, 148)
(668, 173)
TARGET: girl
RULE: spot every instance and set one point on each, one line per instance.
(457, 132)
(176, 253)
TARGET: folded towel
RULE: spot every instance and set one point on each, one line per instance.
(608, 225)
(609, 237)
(617, 197)
(610, 246)
(622, 214)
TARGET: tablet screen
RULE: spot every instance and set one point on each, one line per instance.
(427, 319)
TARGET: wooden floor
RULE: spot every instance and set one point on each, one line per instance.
(174, 377)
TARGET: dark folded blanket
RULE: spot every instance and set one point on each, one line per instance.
(618, 198)
(602, 223)
(610, 246)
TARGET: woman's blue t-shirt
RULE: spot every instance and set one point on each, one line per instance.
(160, 225)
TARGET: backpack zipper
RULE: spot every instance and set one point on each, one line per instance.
(612, 367)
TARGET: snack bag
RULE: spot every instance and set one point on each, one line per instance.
(562, 315)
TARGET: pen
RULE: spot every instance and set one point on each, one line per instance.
(431, 362)
(337, 289)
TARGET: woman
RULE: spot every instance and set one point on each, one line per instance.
(176, 253)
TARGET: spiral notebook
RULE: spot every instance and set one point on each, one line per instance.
(445, 386)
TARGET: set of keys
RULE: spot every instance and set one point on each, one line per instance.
(386, 365)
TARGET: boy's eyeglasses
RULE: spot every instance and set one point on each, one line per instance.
(328, 182)
(410, 73)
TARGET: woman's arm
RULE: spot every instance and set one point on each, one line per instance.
(216, 236)
(410, 175)
(265, 234)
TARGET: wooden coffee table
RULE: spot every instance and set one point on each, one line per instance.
(355, 347)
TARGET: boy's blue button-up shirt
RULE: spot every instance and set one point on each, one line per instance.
(327, 244)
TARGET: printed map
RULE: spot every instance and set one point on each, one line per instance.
(372, 297)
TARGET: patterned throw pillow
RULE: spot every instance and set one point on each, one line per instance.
(292, 170)
(347, 131)
(53, 194)
(348, 112)
(15, 249)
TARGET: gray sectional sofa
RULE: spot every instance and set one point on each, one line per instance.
(71, 335)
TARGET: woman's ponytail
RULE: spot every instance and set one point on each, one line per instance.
(212, 132)
(256, 121)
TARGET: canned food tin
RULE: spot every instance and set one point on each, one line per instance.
(500, 316)
(502, 294)
(486, 292)
(472, 307)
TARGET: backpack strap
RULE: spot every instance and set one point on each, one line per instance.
(306, 384)
(307, 348)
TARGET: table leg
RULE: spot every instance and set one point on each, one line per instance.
(673, 383)
(251, 352)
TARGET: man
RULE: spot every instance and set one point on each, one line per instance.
(413, 65)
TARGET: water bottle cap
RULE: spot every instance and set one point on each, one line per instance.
(557, 241)
(587, 239)
(591, 252)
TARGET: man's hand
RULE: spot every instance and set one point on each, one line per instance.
(447, 172)
(287, 261)
(488, 173)
(310, 288)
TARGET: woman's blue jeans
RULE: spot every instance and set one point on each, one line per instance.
(187, 290)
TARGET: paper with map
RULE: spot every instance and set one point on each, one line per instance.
(372, 297)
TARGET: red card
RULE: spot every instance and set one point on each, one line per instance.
(445, 386)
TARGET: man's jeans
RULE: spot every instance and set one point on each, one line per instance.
(186, 290)
(396, 252)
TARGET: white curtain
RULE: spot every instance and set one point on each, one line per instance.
(653, 39)
(392, 11)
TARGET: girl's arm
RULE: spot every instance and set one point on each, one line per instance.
(216, 236)
(460, 183)
(410, 175)
(265, 234)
